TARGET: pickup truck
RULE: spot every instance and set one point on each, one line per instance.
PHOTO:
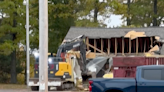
(149, 78)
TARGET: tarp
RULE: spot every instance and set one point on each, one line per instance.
(97, 64)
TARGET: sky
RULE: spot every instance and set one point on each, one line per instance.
(114, 20)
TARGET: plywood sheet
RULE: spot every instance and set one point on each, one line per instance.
(91, 55)
(133, 34)
(155, 48)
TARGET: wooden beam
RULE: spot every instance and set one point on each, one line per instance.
(95, 45)
(137, 45)
(130, 46)
(95, 48)
(144, 46)
(87, 42)
(108, 46)
(115, 46)
(151, 38)
(102, 45)
(123, 46)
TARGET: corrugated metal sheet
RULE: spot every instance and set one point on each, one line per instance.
(154, 61)
(128, 61)
(125, 72)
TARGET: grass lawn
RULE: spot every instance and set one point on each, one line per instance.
(12, 86)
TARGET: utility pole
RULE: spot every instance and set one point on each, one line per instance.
(43, 45)
(155, 13)
(27, 42)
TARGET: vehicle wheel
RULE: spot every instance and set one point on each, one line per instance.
(49, 88)
(60, 88)
(34, 88)
(73, 88)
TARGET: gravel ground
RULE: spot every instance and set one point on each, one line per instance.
(26, 90)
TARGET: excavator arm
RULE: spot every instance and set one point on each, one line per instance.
(77, 44)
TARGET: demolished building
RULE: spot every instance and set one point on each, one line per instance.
(121, 41)
(117, 46)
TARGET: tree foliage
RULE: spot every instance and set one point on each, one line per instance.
(88, 12)
(141, 11)
(61, 17)
(12, 31)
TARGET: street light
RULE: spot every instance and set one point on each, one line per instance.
(26, 2)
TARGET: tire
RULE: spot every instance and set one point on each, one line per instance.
(60, 88)
(49, 88)
(34, 88)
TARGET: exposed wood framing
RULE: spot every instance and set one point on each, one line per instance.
(144, 46)
(115, 46)
(123, 46)
(87, 42)
(95, 48)
(95, 45)
(151, 38)
(88, 52)
(130, 46)
(108, 46)
(102, 45)
(107, 42)
(137, 45)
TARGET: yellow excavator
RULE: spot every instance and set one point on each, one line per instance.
(60, 69)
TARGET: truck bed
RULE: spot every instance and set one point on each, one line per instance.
(105, 84)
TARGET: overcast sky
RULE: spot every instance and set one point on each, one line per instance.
(114, 20)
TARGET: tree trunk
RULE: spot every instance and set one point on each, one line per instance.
(13, 68)
(128, 18)
(13, 56)
(95, 14)
(96, 11)
(155, 13)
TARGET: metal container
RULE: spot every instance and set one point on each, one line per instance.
(126, 66)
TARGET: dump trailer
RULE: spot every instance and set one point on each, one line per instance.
(126, 66)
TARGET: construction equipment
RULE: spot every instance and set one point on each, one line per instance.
(60, 71)
(77, 44)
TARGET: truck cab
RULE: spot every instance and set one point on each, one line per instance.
(149, 78)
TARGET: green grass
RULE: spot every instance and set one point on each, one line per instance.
(12, 86)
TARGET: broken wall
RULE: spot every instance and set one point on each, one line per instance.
(132, 43)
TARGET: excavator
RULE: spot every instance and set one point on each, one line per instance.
(59, 70)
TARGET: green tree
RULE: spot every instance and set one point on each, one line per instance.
(61, 17)
(12, 31)
(88, 12)
(141, 12)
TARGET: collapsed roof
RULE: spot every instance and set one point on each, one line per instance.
(112, 32)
